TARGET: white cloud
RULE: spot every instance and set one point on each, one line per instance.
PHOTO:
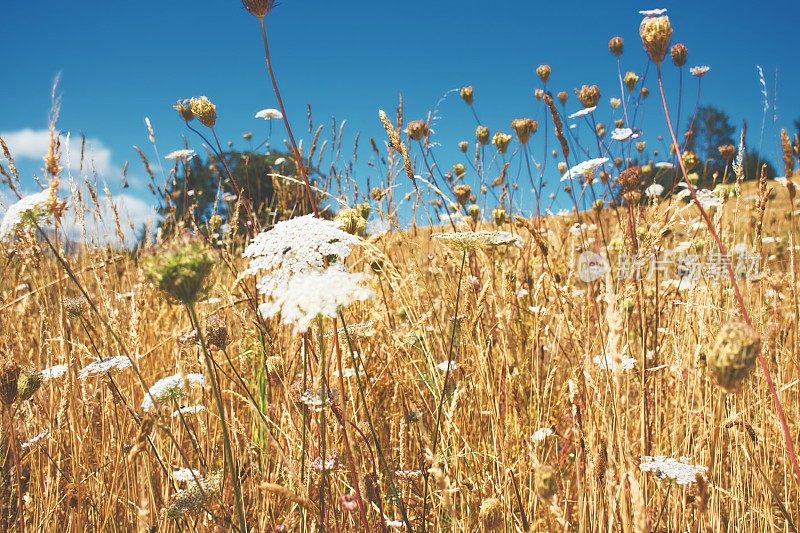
(33, 144)
(100, 225)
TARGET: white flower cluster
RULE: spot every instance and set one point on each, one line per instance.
(311, 294)
(680, 470)
(607, 362)
(296, 283)
(107, 365)
(585, 168)
(172, 388)
(31, 207)
(541, 434)
(53, 372)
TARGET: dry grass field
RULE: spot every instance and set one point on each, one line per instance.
(468, 374)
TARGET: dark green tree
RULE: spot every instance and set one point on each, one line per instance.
(203, 183)
(711, 128)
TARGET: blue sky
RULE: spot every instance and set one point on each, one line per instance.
(122, 61)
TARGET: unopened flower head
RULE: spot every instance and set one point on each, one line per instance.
(270, 114)
(678, 470)
(589, 95)
(615, 45)
(312, 294)
(733, 354)
(467, 94)
(472, 240)
(524, 128)
(180, 268)
(204, 110)
(107, 365)
(417, 129)
(482, 134)
(630, 79)
(679, 52)
(501, 141)
(543, 71)
(656, 33)
(173, 387)
(28, 211)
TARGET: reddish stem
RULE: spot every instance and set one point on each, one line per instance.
(787, 436)
(298, 157)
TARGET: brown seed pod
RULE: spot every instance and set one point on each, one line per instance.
(491, 513)
(733, 354)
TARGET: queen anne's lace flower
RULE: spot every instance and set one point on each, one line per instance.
(582, 169)
(107, 365)
(541, 434)
(608, 362)
(31, 208)
(656, 189)
(53, 372)
(171, 388)
(269, 114)
(583, 112)
(293, 247)
(180, 154)
(188, 410)
(187, 475)
(622, 134)
(700, 71)
(35, 440)
(311, 294)
(680, 471)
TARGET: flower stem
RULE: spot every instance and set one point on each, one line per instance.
(787, 436)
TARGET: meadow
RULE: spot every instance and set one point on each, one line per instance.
(446, 355)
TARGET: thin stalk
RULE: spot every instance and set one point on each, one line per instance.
(217, 393)
(447, 373)
(298, 157)
(787, 436)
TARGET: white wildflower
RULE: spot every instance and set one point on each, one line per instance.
(623, 134)
(700, 71)
(311, 294)
(541, 434)
(585, 168)
(293, 247)
(652, 12)
(180, 154)
(107, 365)
(664, 164)
(186, 475)
(30, 209)
(269, 114)
(53, 372)
(188, 410)
(280, 161)
(171, 388)
(445, 365)
(680, 471)
(654, 190)
(583, 112)
(35, 440)
(608, 362)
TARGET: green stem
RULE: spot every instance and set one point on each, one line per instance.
(217, 393)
